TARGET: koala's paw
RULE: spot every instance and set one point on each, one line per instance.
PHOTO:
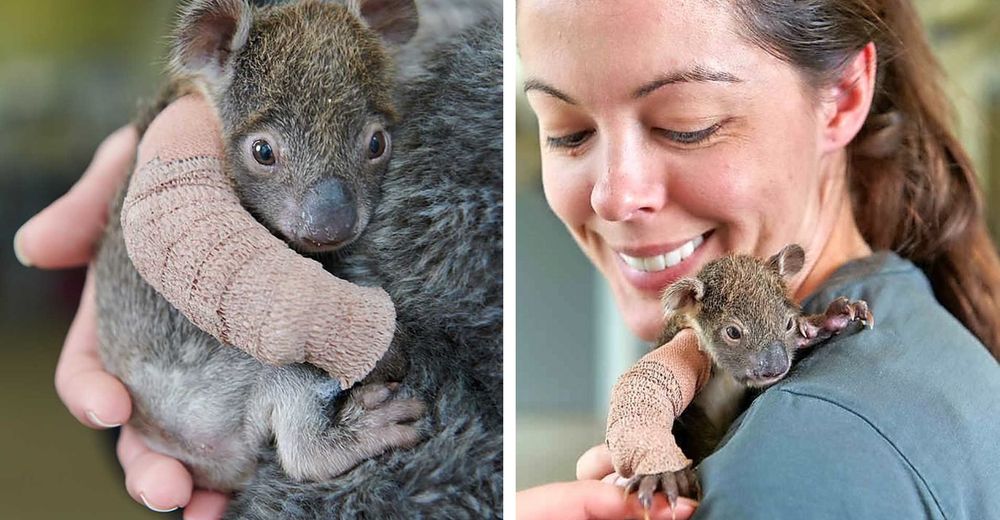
(379, 419)
(842, 312)
(681, 483)
(839, 315)
(371, 420)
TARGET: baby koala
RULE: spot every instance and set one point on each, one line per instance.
(739, 309)
(304, 94)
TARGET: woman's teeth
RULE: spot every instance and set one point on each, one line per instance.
(650, 264)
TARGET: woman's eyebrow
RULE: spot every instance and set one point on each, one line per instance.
(534, 84)
(697, 73)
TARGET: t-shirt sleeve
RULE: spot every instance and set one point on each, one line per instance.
(802, 456)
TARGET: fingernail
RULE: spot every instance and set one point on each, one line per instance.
(18, 251)
(97, 420)
(151, 508)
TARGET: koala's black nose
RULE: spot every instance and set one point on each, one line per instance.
(329, 213)
(772, 362)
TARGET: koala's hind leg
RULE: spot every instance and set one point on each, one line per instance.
(312, 445)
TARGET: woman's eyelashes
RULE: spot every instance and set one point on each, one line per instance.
(569, 141)
(573, 141)
(690, 138)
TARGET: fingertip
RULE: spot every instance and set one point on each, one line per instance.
(685, 508)
(62, 235)
(154, 508)
(661, 508)
(206, 505)
(19, 252)
(594, 464)
(158, 482)
(97, 399)
(101, 423)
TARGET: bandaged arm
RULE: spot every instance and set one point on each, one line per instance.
(190, 238)
(646, 400)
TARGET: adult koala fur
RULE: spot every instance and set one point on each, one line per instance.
(434, 243)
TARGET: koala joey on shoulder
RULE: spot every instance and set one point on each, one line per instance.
(740, 309)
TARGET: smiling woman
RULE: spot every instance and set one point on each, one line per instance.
(674, 133)
(689, 151)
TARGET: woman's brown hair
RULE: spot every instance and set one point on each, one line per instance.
(913, 187)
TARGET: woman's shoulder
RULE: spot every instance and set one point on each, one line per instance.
(913, 402)
(916, 345)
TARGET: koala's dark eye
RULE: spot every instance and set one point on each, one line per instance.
(733, 333)
(790, 325)
(262, 152)
(377, 145)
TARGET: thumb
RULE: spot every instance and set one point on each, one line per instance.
(65, 233)
(595, 463)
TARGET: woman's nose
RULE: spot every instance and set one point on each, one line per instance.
(629, 184)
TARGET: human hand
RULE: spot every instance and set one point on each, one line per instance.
(591, 500)
(596, 463)
(63, 235)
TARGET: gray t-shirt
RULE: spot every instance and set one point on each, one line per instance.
(902, 421)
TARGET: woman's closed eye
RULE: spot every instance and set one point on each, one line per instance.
(685, 138)
(568, 141)
(689, 138)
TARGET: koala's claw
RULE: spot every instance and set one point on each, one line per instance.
(863, 314)
(674, 484)
(840, 314)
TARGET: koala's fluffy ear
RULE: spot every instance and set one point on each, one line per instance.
(788, 261)
(682, 293)
(394, 20)
(208, 34)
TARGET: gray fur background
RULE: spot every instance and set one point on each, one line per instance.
(435, 244)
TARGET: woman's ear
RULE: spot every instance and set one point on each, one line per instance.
(846, 102)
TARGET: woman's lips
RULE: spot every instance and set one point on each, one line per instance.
(656, 271)
(660, 262)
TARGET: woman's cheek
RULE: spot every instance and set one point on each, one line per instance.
(567, 189)
(722, 189)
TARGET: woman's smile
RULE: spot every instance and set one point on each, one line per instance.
(654, 267)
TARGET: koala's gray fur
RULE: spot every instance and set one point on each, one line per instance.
(733, 291)
(434, 243)
(312, 72)
(440, 22)
(740, 310)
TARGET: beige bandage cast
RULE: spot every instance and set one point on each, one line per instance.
(190, 238)
(646, 400)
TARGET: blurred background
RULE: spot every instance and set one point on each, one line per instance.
(70, 73)
(571, 343)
